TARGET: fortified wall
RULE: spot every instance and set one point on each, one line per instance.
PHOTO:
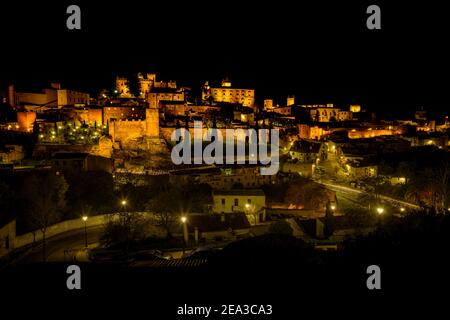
(103, 148)
(124, 130)
(137, 134)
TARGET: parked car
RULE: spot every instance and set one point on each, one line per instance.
(201, 252)
(106, 255)
(151, 255)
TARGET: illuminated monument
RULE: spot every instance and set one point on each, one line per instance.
(123, 88)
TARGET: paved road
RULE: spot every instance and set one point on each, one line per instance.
(330, 166)
(349, 190)
(65, 246)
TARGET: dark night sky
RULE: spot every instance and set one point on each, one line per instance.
(322, 52)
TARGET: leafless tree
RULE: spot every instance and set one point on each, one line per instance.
(124, 229)
(166, 207)
(442, 178)
(44, 194)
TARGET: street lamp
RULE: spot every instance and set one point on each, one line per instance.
(251, 209)
(185, 232)
(380, 210)
(124, 204)
(85, 231)
(333, 208)
(402, 209)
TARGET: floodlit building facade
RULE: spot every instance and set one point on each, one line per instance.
(226, 93)
(250, 201)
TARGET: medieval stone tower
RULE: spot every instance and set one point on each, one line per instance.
(123, 87)
(206, 91)
(152, 122)
(146, 83)
(290, 101)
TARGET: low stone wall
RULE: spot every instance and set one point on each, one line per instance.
(7, 238)
(58, 228)
(75, 224)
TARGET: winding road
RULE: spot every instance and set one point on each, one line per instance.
(353, 191)
(67, 246)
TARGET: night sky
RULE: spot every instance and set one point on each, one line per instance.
(321, 52)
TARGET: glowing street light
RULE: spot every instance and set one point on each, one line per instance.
(85, 218)
(185, 232)
(123, 203)
(402, 209)
(380, 210)
(253, 210)
(333, 208)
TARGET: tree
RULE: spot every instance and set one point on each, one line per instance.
(307, 194)
(94, 189)
(376, 183)
(44, 194)
(6, 201)
(281, 227)
(195, 198)
(329, 221)
(5, 194)
(422, 188)
(442, 179)
(359, 218)
(405, 169)
(166, 207)
(124, 229)
(370, 199)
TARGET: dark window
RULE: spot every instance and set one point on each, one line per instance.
(236, 202)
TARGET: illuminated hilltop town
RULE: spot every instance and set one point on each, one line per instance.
(324, 150)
